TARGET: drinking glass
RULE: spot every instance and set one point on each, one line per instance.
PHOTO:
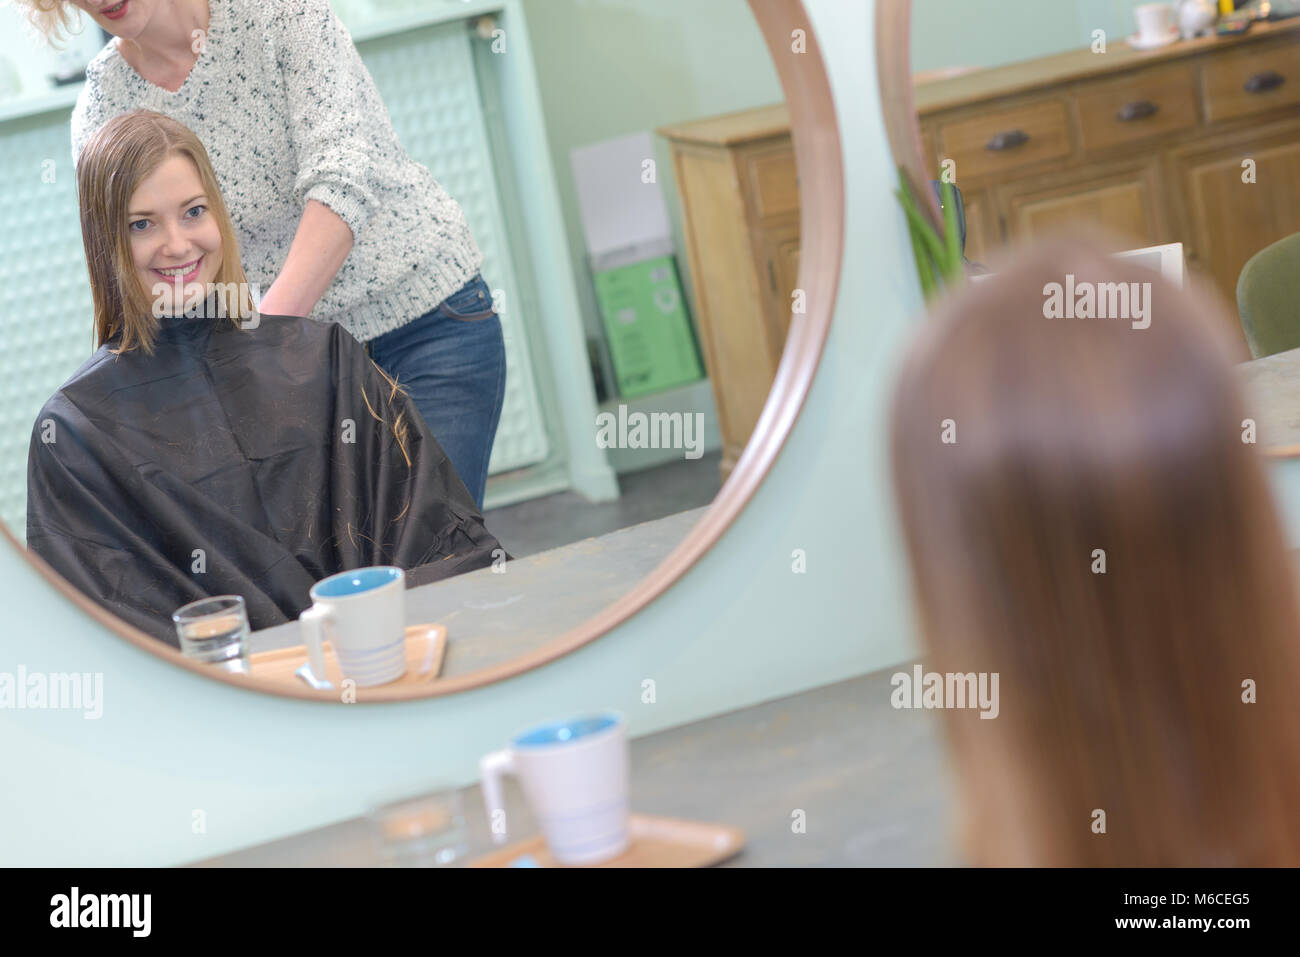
(215, 632)
(424, 831)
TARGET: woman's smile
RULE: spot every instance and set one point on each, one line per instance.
(117, 12)
(174, 272)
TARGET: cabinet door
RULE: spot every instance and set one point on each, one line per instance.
(781, 242)
(1228, 218)
(982, 232)
(1123, 198)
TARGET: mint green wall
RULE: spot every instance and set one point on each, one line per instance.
(609, 68)
(740, 628)
(992, 32)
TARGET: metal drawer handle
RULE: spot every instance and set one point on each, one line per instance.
(1007, 141)
(1138, 110)
(1263, 82)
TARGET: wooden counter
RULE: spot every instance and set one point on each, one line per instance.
(739, 189)
(1272, 386)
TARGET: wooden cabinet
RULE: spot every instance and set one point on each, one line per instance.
(1122, 198)
(1229, 217)
(1149, 146)
(739, 189)
(983, 232)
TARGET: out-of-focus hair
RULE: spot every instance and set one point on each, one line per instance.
(54, 20)
(115, 160)
(1121, 691)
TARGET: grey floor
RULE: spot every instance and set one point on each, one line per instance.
(554, 520)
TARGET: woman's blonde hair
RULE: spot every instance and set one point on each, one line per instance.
(116, 159)
(52, 19)
(1084, 519)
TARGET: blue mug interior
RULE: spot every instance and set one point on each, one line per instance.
(566, 731)
(355, 582)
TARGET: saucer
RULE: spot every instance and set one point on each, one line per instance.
(426, 647)
(653, 842)
(1137, 43)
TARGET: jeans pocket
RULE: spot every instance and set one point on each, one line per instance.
(471, 302)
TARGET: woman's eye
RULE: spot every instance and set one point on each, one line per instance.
(131, 226)
(193, 208)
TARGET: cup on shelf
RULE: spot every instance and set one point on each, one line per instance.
(363, 614)
(574, 775)
(1155, 22)
(215, 632)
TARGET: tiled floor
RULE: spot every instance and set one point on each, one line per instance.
(554, 520)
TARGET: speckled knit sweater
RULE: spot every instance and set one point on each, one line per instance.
(288, 112)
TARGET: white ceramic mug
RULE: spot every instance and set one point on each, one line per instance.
(1155, 21)
(363, 614)
(574, 774)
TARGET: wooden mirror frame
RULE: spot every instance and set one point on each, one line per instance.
(819, 161)
(897, 102)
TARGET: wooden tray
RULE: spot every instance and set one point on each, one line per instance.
(654, 842)
(426, 646)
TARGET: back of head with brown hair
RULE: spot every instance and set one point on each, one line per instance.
(1092, 528)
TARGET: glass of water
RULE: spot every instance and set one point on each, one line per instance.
(215, 632)
(424, 831)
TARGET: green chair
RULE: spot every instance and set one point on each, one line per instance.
(1268, 298)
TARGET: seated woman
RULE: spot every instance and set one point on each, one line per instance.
(205, 449)
(1084, 519)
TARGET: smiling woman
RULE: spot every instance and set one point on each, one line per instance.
(209, 453)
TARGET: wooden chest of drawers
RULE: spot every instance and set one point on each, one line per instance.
(1197, 143)
(739, 188)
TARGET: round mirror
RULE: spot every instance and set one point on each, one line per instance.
(612, 284)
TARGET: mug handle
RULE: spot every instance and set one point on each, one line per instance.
(491, 768)
(311, 621)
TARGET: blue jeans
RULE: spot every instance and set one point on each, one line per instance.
(452, 363)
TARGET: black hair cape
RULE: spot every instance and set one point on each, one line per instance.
(239, 461)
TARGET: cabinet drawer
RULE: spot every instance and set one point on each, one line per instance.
(1241, 84)
(775, 181)
(1142, 105)
(1006, 139)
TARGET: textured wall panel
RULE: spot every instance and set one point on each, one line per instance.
(45, 309)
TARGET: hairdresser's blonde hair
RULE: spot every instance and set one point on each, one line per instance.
(116, 159)
(1120, 691)
(52, 19)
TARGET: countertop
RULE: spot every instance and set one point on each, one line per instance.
(987, 83)
(869, 779)
(492, 617)
(1272, 386)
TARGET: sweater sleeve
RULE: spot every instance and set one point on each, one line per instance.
(337, 120)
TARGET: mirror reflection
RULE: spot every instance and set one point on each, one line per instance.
(352, 303)
(1166, 124)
